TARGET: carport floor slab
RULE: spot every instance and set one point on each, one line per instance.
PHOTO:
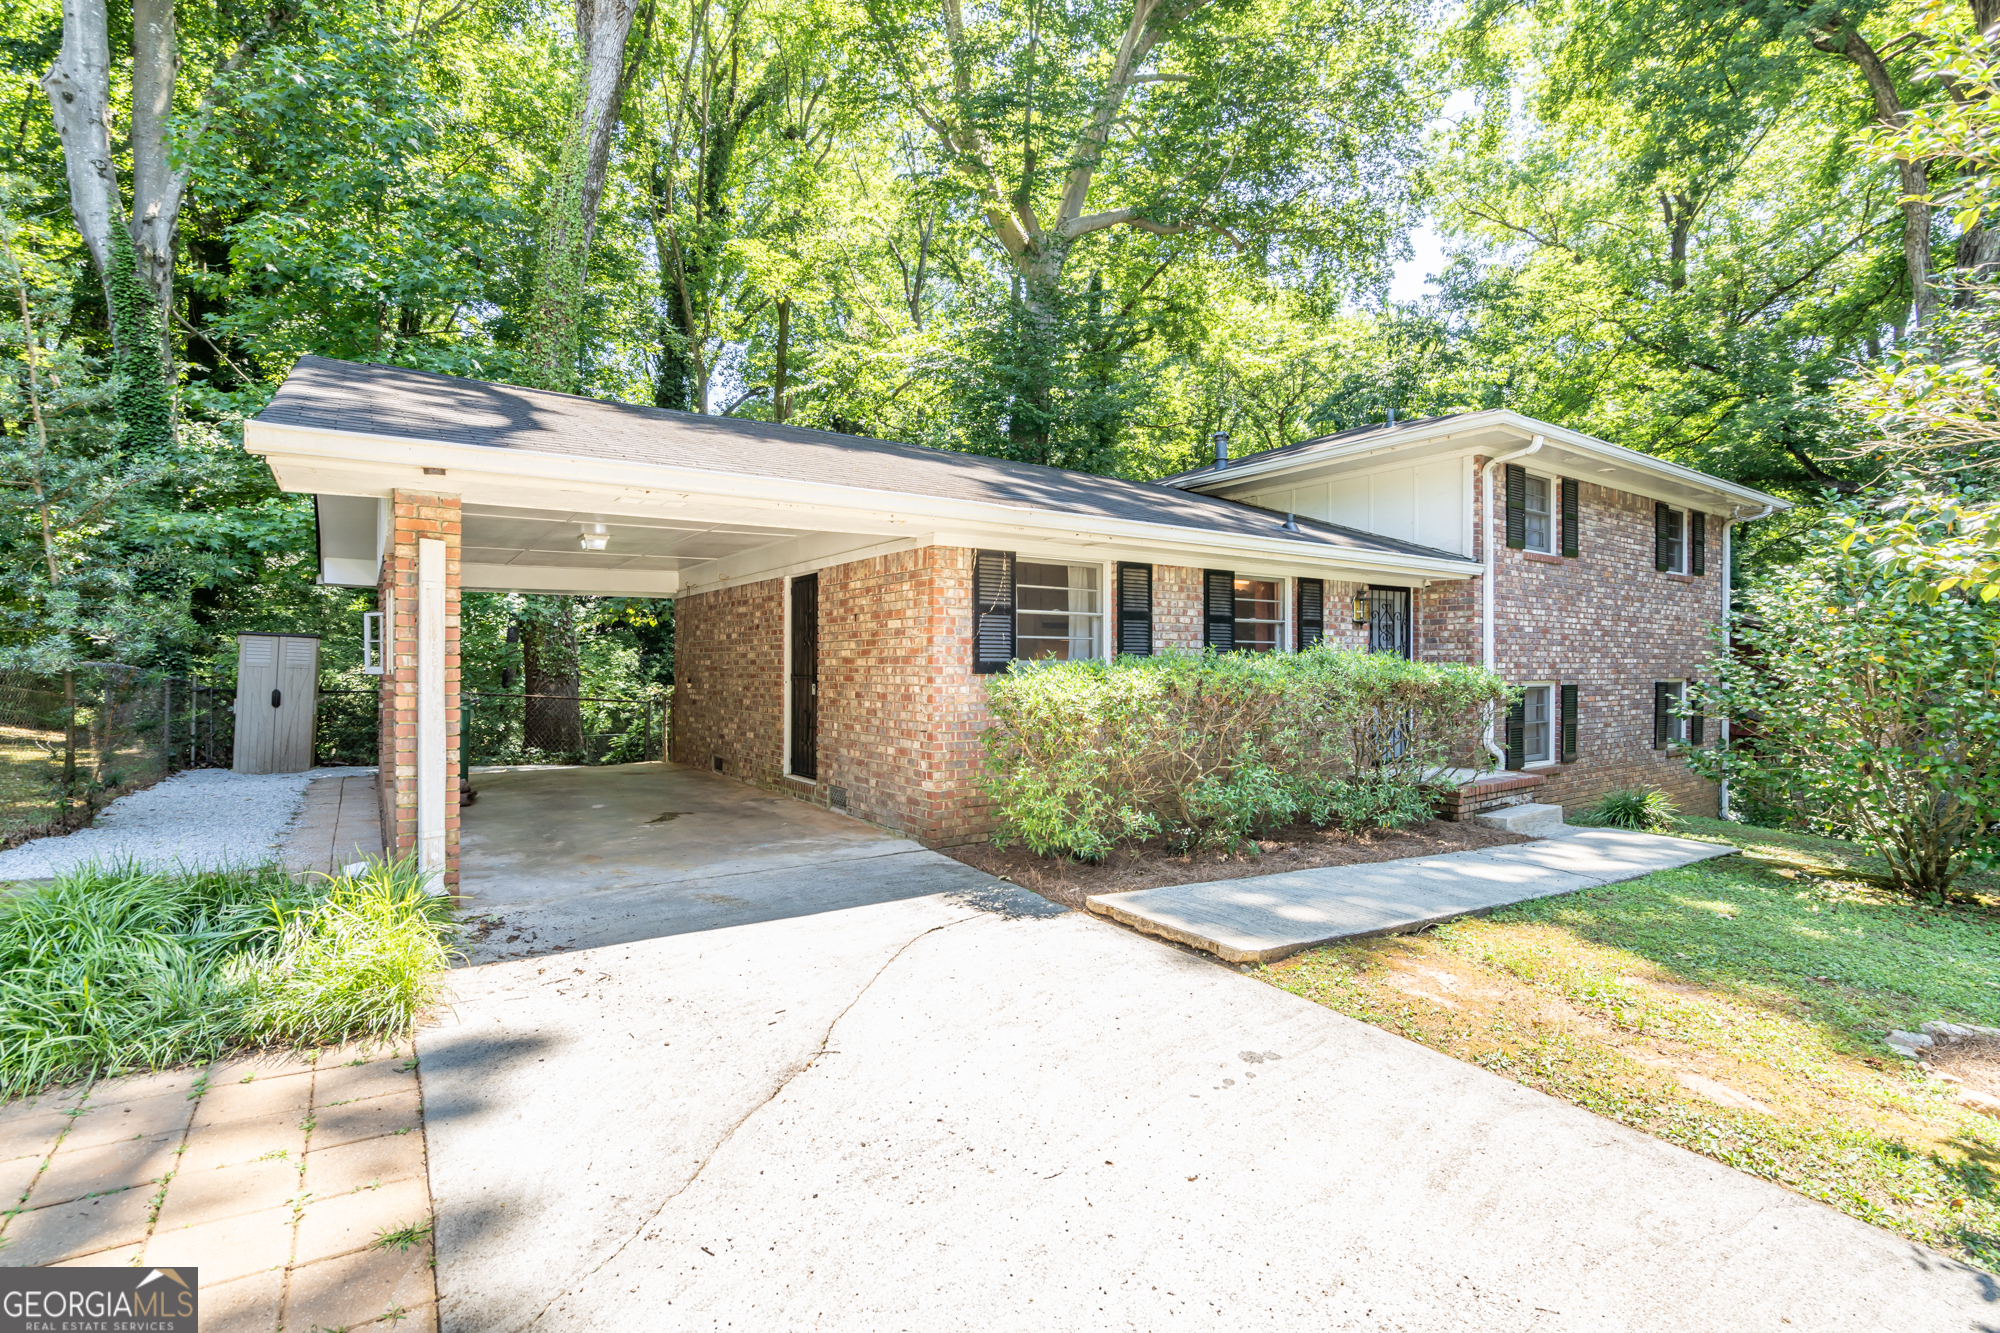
(1265, 917)
(941, 1114)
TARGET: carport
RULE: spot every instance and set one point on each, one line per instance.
(575, 858)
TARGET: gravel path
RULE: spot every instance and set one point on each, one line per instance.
(201, 818)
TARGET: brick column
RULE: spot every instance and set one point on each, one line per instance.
(419, 516)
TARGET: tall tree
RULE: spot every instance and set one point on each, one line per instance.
(1274, 132)
(569, 218)
(133, 251)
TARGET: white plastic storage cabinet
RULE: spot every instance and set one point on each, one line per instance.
(277, 681)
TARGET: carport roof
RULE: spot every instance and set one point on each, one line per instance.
(389, 401)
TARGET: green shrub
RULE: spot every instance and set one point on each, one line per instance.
(1206, 750)
(113, 968)
(1646, 809)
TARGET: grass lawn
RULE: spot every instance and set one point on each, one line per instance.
(1735, 1008)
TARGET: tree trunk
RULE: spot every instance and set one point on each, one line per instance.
(553, 719)
(134, 260)
(569, 218)
(781, 399)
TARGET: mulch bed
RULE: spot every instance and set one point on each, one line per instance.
(1974, 1061)
(1148, 866)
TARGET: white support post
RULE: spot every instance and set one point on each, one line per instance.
(430, 705)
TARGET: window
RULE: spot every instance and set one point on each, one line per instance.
(1539, 519)
(1537, 735)
(1257, 619)
(1058, 615)
(1670, 540)
(1669, 727)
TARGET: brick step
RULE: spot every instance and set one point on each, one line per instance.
(1489, 792)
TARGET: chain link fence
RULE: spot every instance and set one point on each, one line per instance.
(71, 742)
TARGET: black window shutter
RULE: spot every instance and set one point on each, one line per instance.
(1697, 546)
(1517, 734)
(1135, 610)
(1661, 518)
(992, 611)
(1663, 694)
(1517, 507)
(1219, 602)
(1569, 724)
(1695, 729)
(1312, 612)
(1570, 520)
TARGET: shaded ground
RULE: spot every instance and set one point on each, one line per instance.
(552, 859)
(1297, 847)
(1735, 1008)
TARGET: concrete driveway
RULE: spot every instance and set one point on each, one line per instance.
(972, 1110)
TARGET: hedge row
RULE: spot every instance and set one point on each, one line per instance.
(1208, 750)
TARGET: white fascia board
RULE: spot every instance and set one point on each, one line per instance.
(337, 572)
(321, 460)
(1480, 423)
(580, 582)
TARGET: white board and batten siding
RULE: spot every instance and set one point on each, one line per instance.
(1428, 502)
(277, 684)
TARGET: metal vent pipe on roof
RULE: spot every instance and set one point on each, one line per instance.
(1222, 448)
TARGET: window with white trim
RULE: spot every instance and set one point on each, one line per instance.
(1540, 514)
(1259, 615)
(1677, 541)
(1058, 612)
(1676, 700)
(1538, 731)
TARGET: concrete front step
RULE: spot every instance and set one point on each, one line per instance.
(1534, 821)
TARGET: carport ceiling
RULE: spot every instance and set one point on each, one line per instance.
(500, 546)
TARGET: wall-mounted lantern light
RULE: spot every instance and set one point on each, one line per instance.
(1361, 606)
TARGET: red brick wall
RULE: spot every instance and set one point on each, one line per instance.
(417, 515)
(1177, 608)
(1611, 624)
(729, 684)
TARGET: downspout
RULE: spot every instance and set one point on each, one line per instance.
(1728, 577)
(1492, 563)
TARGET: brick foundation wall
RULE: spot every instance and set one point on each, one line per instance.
(417, 515)
(1611, 624)
(729, 683)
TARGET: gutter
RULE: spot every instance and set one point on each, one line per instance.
(1492, 565)
(1728, 575)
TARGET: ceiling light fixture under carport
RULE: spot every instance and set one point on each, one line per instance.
(594, 537)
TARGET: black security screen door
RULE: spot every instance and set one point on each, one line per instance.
(1389, 621)
(805, 676)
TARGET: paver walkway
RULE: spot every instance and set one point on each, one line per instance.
(272, 1178)
(1271, 916)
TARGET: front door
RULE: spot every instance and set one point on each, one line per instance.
(805, 676)
(1389, 621)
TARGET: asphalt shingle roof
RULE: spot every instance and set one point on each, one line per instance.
(1382, 428)
(414, 404)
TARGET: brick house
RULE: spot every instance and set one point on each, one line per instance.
(839, 600)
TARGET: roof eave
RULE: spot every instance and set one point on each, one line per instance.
(1470, 424)
(368, 453)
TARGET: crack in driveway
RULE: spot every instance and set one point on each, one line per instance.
(783, 1083)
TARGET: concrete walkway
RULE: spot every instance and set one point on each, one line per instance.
(978, 1112)
(1272, 916)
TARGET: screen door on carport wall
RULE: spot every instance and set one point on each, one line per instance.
(805, 676)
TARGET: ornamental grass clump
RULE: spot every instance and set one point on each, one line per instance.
(1644, 809)
(1208, 750)
(113, 969)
